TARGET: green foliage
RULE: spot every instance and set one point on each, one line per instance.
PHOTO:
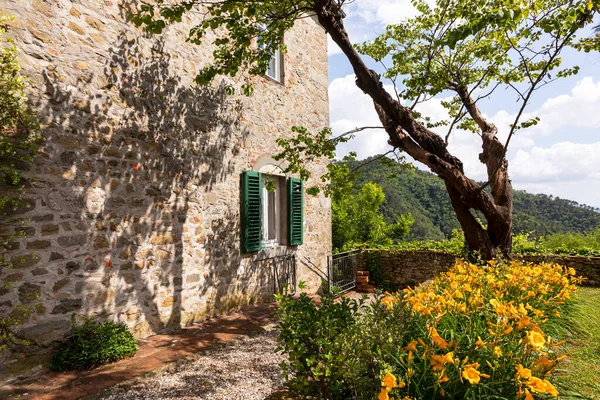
(424, 196)
(93, 344)
(559, 243)
(19, 133)
(335, 348)
(19, 130)
(481, 45)
(356, 215)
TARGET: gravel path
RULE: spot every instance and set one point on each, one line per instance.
(246, 369)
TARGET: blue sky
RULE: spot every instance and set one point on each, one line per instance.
(560, 156)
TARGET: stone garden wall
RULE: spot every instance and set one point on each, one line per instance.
(134, 198)
(400, 269)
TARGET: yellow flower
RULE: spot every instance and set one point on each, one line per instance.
(524, 373)
(471, 374)
(389, 381)
(388, 302)
(550, 389)
(497, 352)
(383, 395)
(536, 339)
(528, 395)
(536, 384)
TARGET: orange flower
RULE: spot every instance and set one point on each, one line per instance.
(443, 378)
(528, 395)
(383, 395)
(523, 323)
(389, 381)
(536, 339)
(541, 386)
(479, 343)
(471, 374)
(412, 346)
(550, 389)
(437, 339)
(524, 373)
(438, 361)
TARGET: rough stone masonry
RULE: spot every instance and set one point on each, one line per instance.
(134, 204)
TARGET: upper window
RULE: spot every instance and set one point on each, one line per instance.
(275, 68)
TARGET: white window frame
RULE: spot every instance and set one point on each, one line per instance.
(276, 73)
(269, 243)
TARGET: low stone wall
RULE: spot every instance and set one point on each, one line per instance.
(391, 269)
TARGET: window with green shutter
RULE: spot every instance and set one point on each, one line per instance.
(295, 211)
(251, 211)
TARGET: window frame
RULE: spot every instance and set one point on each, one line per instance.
(278, 62)
(278, 214)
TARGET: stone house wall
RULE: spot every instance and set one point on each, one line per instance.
(134, 201)
(400, 269)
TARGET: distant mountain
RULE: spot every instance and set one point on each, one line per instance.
(424, 196)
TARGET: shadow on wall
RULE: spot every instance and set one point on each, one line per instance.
(128, 178)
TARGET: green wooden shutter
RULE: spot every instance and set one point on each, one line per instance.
(251, 211)
(295, 211)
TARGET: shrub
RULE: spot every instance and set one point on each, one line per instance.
(93, 344)
(335, 348)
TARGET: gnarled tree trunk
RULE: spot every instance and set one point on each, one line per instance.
(424, 145)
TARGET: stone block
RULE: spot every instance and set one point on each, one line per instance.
(38, 245)
(73, 240)
(25, 261)
(67, 306)
(49, 229)
(29, 293)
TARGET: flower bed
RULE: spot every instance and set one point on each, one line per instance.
(475, 332)
(478, 332)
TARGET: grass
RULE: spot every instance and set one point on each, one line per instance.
(579, 375)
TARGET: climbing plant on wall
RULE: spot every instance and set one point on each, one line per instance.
(19, 134)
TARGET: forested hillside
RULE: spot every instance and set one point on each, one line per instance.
(424, 196)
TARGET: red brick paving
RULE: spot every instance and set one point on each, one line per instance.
(154, 352)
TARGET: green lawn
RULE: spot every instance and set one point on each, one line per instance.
(579, 375)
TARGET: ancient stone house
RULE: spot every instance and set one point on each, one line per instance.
(147, 202)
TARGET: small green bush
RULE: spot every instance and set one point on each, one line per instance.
(93, 344)
(335, 348)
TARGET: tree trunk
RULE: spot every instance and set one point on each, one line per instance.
(426, 146)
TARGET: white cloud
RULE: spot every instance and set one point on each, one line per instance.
(564, 161)
(350, 108)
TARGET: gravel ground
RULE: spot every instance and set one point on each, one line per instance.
(246, 369)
